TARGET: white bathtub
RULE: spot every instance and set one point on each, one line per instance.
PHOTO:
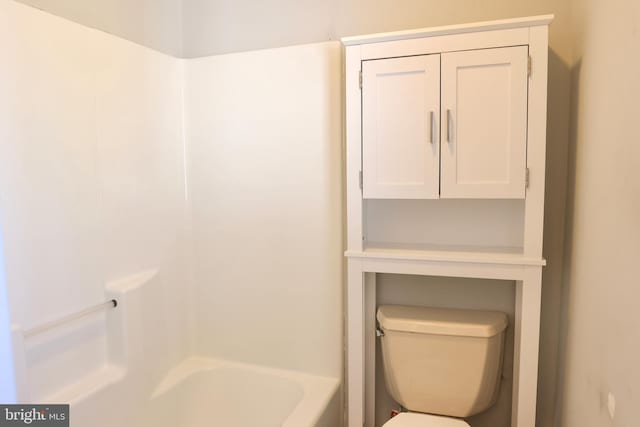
(207, 392)
(135, 385)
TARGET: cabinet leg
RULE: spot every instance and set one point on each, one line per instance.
(526, 344)
(355, 344)
(370, 349)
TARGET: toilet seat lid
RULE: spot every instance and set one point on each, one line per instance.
(411, 419)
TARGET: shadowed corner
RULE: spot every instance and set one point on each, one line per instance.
(562, 353)
(558, 137)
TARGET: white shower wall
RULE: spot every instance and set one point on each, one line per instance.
(91, 188)
(264, 137)
(7, 378)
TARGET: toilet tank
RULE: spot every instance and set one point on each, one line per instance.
(442, 361)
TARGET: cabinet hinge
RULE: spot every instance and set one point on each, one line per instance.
(360, 80)
(526, 178)
(360, 179)
(529, 66)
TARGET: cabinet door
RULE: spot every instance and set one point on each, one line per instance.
(484, 123)
(400, 117)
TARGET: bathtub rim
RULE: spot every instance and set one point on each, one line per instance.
(317, 391)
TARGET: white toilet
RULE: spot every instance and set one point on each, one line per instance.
(441, 364)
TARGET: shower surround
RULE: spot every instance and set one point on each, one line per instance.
(217, 179)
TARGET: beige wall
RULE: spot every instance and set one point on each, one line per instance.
(221, 26)
(603, 243)
(153, 23)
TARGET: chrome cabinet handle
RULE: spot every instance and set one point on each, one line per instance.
(433, 127)
(448, 125)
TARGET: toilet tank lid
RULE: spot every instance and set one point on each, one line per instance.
(441, 321)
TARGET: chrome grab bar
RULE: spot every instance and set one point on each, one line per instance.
(54, 323)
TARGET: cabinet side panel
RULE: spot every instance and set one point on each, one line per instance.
(353, 147)
(536, 141)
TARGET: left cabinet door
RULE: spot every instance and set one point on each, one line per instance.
(400, 127)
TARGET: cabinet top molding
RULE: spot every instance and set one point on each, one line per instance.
(503, 24)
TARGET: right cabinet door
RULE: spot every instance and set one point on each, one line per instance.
(484, 123)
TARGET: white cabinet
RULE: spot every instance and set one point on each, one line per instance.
(477, 98)
(445, 176)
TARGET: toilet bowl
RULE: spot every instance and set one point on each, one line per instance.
(441, 364)
(411, 419)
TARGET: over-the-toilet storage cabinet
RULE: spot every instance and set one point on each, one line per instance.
(445, 166)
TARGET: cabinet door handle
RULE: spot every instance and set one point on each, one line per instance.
(448, 125)
(433, 127)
